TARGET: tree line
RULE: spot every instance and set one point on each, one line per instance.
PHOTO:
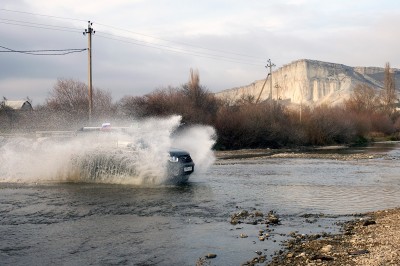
(368, 114)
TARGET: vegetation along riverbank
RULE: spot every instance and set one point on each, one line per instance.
(367, 115)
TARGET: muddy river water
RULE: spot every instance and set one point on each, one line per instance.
(108, 224)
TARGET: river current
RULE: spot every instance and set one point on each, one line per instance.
(61, 223)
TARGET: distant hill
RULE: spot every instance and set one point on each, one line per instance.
(312, 83)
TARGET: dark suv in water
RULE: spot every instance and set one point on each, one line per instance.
(180, 165)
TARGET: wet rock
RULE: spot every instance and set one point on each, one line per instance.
(247, 217)
(326, 249)
(311, 221)
(322, 257)
(243, 213)
(368, 222)
(301, 255)
(273, 218)
(255, 261)
(234, 221)
(314, 237)
(211, 256)
(262, 259)
(202, 262)
(258, 214)
(358, 252)
(308, 215)
(252, 222)
(258, 252)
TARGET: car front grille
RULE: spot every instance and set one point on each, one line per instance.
(185, 159)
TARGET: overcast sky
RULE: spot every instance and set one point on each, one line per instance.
(143, 45)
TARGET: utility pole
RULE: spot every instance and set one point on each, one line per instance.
(270, 65)
(89, 31)
(262, 89)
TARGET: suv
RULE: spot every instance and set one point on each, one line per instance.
(180, 165)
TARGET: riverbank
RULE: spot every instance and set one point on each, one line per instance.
(330, 153)
(373, 239)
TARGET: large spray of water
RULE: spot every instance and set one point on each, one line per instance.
(136, 155)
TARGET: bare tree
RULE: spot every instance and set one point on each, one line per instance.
(191, 100)
(330, 125)
(200, 105)
(363, 99)
(246, 99)
(193, 90)
(70, 98)
(388, 96)
(131, 106)
(158, 103)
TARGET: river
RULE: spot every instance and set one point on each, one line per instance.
(61, 223)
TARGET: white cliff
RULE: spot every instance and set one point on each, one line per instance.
(311, 83)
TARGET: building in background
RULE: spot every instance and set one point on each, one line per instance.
(21, 105)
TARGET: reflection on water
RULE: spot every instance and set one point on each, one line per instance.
(301, 185)
(81, 224)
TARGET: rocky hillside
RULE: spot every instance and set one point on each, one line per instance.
(311, 82)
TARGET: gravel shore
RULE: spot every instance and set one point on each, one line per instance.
(373, 239)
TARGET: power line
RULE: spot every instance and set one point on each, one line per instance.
(137, 33)
(38, 27)
(218, 55)
(181, 43)
(137, 42)
(43, 52)
(41, 15)
(179, 50)
(140, 43)
(27, 23)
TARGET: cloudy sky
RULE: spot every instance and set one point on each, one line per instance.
(143, 45)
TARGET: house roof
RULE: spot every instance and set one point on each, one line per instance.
(18, 105)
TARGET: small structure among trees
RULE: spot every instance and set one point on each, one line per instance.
(12, 111)
(20, 105)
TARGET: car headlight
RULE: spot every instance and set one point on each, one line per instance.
(173, 159)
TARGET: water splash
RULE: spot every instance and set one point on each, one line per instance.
(198, 141)
(103, 156)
